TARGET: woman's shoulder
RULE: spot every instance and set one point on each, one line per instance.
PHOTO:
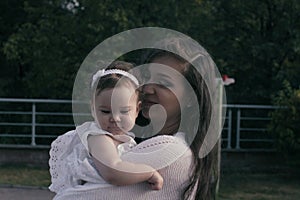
(164, 141)
(159, 151)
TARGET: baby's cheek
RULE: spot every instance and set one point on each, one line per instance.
(102, 121)
(129, 123)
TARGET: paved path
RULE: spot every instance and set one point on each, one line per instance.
(25, 193)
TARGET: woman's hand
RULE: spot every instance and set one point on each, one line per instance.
(156, 181)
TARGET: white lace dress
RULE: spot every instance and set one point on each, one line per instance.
(71, 167)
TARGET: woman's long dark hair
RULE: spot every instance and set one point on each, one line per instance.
(203, 182)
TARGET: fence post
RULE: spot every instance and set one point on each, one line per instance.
(33, 125)
(229, 129)
(238, 124)
(217, 167)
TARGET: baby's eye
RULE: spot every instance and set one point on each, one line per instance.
(124, 111)
(105, 111)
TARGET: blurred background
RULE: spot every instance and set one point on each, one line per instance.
(257, 42)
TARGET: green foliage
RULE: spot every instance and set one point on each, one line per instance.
(250, 41)
(286, 119)
(44, 42)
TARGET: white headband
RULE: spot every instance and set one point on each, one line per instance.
(103, 72)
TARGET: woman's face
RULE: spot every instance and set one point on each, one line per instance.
(163, 84)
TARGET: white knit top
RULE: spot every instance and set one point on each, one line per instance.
(170, 154)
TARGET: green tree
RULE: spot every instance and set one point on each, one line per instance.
(286, 120)
(256, 42)
(11, 16)
(55, 36)
(251, 41)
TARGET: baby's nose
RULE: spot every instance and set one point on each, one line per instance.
(115, 118)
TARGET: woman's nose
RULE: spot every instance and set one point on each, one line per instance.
(149, 89)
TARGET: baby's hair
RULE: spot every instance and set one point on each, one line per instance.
(111, 80)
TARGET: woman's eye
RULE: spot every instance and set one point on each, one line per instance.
(165, 83)
(146, 76)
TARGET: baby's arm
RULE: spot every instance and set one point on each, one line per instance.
(116, 171)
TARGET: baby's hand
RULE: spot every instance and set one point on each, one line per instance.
(156, 181)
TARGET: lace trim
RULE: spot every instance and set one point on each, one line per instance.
(57, 170)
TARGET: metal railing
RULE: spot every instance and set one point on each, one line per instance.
(246, 128)
(35, 123)
(25, 121)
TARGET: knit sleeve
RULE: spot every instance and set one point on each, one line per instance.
(158, 152)
(176, 178)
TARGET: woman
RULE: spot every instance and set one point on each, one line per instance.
(188, 175)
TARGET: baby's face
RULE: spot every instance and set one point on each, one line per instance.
(116, 109)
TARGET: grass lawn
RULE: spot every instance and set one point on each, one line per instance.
(234, 185)
(260, 186)
(24, 176)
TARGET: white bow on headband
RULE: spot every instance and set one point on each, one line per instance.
(103, 72)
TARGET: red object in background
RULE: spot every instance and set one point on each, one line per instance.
(227, 80)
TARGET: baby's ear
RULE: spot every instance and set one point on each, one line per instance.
(139, 106)
(92, 107)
